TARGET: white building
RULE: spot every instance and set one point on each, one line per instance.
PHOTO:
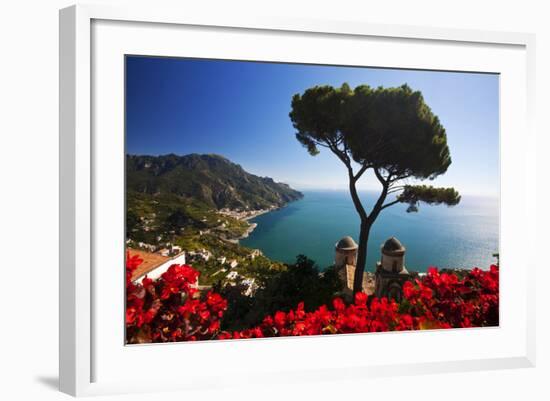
(232, 275)
(254, 254)
(158, 270)
(252, 286)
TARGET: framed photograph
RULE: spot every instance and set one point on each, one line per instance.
(290, 200)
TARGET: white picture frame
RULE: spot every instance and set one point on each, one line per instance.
(84, 357)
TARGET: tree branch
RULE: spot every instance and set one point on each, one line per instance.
(380, 177)
(385, 181)
(364, 168)
(353, 190)
(390, 204)
(399, 188)
(341, 155)
(319, 143)
(355, 197)
(399, 177)
(377, 208)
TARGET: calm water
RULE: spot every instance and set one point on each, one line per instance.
(465, 235)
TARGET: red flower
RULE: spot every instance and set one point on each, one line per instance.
(224, 335)
(279, 319)
(132, 262)
(361, 299)
(408, 290)
(425, 292)
(338, 304)
(165, 309)
(130, 315)
(216, 302)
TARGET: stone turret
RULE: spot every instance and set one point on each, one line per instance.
(391, 272)
(345, 261)
(393, 256)
(346, 252)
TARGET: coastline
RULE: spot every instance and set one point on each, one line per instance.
(252, 215)
(247, 232)
(252, 226)
(257, 213)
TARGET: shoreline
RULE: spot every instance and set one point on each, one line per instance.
(252, 226)
(247, 232)
(258, 213)
(252, 215)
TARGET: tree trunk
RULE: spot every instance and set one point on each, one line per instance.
(366, 223)
(361, 256)
(363, 234)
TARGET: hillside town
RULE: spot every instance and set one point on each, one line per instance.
(216, 263)
(156, 263)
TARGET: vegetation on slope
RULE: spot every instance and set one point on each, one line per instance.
(210, 179)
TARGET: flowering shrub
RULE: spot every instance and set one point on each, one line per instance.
(441, 300)
(171, 309)
(381, 315)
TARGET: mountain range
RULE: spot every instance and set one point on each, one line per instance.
(209, 178)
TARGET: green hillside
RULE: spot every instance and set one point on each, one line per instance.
(209, 179)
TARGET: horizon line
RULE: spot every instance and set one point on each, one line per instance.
(295, 186)
(332, 189)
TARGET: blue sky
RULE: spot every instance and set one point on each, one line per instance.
(240, 110)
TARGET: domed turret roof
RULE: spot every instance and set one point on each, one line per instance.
(346, 243)
(392, 244)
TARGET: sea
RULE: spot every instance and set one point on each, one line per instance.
(461, 236)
